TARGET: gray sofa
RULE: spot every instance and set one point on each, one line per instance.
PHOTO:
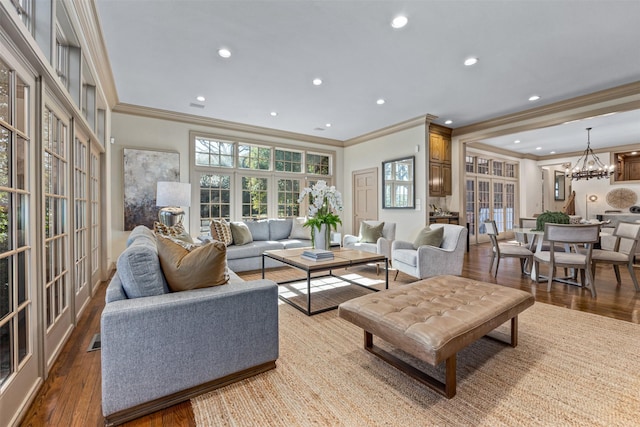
(165, 348)
(267, 234)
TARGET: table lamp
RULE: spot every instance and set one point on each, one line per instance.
(171, 196)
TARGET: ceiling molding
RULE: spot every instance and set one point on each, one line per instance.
(496, 150)
(407, 124)
(155, 113)
(620, 98)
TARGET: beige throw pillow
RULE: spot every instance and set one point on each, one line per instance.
(241, 233)
(430, 237)
(370, 233)
(299, 231)
(221, 231)
(202, 267)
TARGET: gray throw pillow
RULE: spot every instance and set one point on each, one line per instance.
(370, 233)
(140, 272)
(241, 233)
(430, 237)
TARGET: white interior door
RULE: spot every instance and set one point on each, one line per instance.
(365, 197)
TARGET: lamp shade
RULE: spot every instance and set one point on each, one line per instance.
(173, 194)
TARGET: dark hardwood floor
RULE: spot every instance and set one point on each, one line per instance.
(71, 394)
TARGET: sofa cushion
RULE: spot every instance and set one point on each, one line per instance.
(370, 233)
(184, 269)
(298, 230)
(139, 270)
(176, 231)
(221, 231)
(295, 243)
(406, 256)
(430, 237)
(259, 229)
(241, 233)
(279, 229)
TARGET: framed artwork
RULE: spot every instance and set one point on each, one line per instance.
(558, 186)
(142, 171)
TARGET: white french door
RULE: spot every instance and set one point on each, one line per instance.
(81, 227)
(95, 219)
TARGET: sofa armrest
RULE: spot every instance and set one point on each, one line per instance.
(401, 244)
(155, 346)
(384, 247)
(434, 261)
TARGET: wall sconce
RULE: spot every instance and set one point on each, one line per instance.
(171, 196)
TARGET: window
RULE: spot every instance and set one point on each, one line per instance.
(214, 153)
(470, 164)
(251, 179)
(288, 193)
(288, 161)
(317, 164)
(483, 166)
(23, 7)
(497, 168)
(254, 197)
(62, 62)
(254, 157)
(215, 197)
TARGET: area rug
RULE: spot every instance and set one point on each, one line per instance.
(569, 369)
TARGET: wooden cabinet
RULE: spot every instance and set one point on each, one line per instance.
(452, 218)
(439, 161)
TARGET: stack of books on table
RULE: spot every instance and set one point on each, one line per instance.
(317, 254)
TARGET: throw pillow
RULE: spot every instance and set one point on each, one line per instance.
(299, 231)
(176, 231)
(221, 231)
(430, 237)
(140, 271)
(370, 233)
(202, 267)
(241, 233)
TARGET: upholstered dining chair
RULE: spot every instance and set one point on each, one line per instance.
(505, 251)
(571, 235)
(623, 253)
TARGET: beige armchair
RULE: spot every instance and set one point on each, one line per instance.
(429, 261)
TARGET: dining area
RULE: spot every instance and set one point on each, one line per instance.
(571, 253)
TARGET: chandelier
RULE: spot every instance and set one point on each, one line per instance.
(591, 167)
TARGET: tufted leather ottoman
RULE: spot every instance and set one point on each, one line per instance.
(433, 319)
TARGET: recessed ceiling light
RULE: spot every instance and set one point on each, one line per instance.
(200, 98)
(633, 153)
(552, 152)
(224, 52)
(538, 148)
(517, 141)
(380, 101)
(273, 113)
(328, 125)
(534, 97)
(317, 82)
(470, 61)
(399, 21)
(448, 122)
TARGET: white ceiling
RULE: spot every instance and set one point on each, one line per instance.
(163, 55)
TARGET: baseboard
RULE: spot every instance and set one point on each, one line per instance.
(146, 408)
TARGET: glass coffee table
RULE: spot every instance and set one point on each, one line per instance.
(336, 285)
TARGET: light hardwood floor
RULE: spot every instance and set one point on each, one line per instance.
(71, 394)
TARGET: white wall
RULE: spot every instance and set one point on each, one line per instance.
(132, 131)
(371, 154)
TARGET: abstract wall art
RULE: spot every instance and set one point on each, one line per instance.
(142, 171)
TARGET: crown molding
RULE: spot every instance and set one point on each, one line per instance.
(192, 119)
(621, 98)
(407, 124)
(502, 151)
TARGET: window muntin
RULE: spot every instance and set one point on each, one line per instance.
(254, 157)
(214, 153)
(483, 165)
(470, 164)
(498, 168)
(215, 197)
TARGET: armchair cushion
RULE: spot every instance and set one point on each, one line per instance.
(241, 233)
(370, 233)
(408, 256)
(428, 236)
(185, 269)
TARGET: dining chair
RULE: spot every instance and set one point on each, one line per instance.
(505, 251)
(623, 253)
(523, 238)
(571, 235)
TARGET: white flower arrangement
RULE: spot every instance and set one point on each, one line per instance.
(324, 202)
